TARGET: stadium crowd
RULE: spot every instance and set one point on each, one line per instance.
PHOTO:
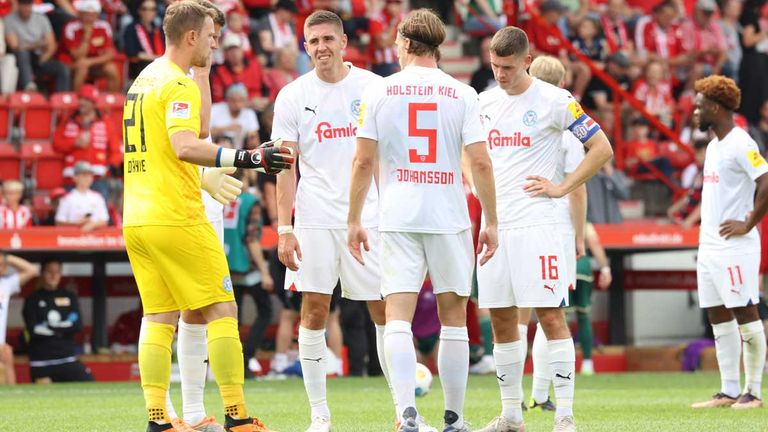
(655, 50)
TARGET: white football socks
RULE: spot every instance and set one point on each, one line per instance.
(193, 366)
(562, 362)
(313, 356)
(728, 351)
(453, 365)
(754, 345)
(542, 374)
(401, 358)
(169, 405)
(509, 375)
(383, 363)
(523, 329)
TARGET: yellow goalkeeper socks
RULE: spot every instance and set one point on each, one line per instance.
(225, 354)
(155, 367)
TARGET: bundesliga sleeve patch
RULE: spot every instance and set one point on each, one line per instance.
(575, 109)
(180, 110)
(755, 158)
(361, 115)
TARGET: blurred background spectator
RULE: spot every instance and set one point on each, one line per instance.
(82, 207)
(276, 31)
(604, 191)
(144, 38)
(52, 317)
(233, 117)
(383, 31)
(13, 214)
(31, 38)
(87, 136)
(237, 68)
(283, 72)
(88, 48)
(9, 73)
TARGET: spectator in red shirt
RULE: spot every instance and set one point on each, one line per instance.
(237, 26)
(383, 30)
(86, 136)
(276, 30)
(14, 215)
(238, 69)
(615, 28)
(657, 37)
(283, 73)
(542, 42)
(643, 151)
(655, 91)
(704, 37)
(88, 48)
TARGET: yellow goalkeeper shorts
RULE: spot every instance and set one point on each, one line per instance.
(178, 267)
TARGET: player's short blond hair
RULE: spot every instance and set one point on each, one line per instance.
(184, 16)
(426, 32)
(510, 41)
(13, 186)
(548, 69)
(218, 16)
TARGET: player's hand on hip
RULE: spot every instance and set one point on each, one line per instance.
(732, 228)
(289, 251)
(356, 234)
(488, 240)
(271, 158)
(540, 186)
(221, 186)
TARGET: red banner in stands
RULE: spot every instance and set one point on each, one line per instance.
(660, 280)
(647, 236)
(73, 239)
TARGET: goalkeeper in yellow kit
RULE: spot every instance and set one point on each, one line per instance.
(177, 259)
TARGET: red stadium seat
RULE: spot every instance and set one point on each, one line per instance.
(63, 105)
(32, 112)
(45, 164)
(10, 163)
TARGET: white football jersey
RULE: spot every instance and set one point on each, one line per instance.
(9, 285)
(525, 134)
(421, 118)
(571, 155)
(322, 118)
(730, 169)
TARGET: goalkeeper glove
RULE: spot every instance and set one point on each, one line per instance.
(269, 158)
(222, 187)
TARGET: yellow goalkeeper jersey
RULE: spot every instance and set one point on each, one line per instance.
(160, 189)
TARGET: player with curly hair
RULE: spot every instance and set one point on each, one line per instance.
(729, 244)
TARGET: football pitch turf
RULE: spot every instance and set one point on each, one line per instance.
(605, 402)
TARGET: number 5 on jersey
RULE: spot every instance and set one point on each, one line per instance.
(129, 124)
(415, 131)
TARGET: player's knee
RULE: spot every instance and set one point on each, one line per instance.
(377, 309)
(218, 311)
(314, 315)
(193, 317)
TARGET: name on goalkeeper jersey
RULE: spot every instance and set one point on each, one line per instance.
(424, 177)
(419, 90)
(326, 131)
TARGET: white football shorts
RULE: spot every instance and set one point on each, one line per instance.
(406, 258)
(326, 259)
(568, 238)
(528, 270)
(730, 281)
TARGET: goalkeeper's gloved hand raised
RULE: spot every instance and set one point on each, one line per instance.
(221, 186)
(269, 158)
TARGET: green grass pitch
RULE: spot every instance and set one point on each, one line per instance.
(624, 402)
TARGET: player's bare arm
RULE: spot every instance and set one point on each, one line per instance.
(732, 228)
(599, 153)
(362, 169)
(597, 250)
(482, 174)
(267, 158)
(288, 249)
(26, 270)
(577, 201)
